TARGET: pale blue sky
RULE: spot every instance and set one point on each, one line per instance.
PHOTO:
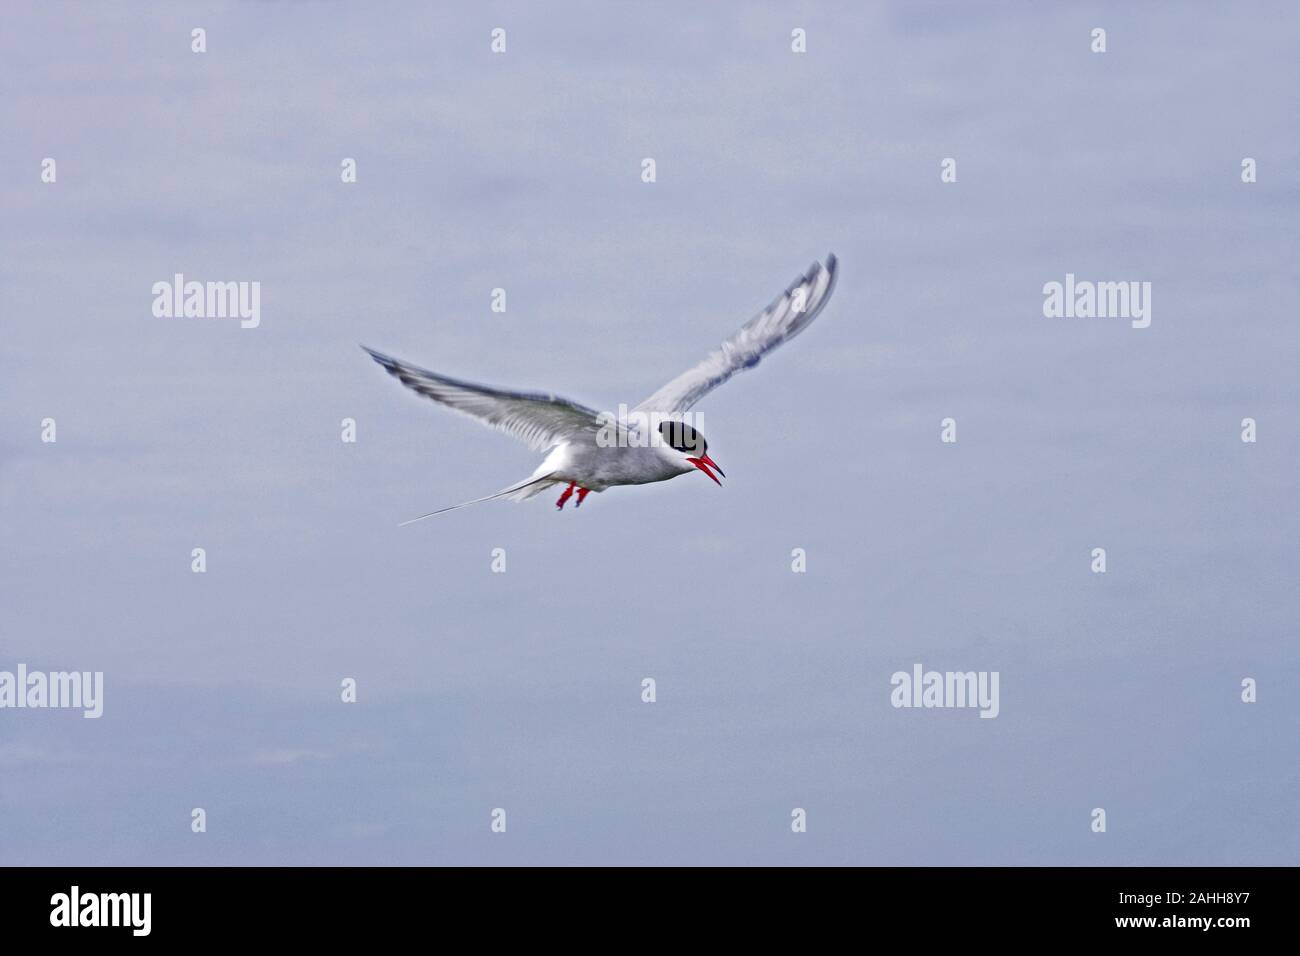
(522, 690)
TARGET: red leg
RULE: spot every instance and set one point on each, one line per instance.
(582, 496)
(568, 493)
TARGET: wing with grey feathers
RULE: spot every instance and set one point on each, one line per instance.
(536, 419)
(779, 322)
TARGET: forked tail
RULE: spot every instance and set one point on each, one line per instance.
(524, 489)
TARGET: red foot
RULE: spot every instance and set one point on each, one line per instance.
(582, 496)
(568, 493)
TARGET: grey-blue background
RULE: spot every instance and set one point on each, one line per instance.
(522, 690)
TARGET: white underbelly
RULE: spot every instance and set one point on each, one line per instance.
(597, 468)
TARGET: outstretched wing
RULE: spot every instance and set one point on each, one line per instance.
(536, 419)
(787, 316)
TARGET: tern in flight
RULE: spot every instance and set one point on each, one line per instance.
(589, 451)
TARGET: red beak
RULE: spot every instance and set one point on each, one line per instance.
(704, 462)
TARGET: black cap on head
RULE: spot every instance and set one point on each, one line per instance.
(684, 438)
